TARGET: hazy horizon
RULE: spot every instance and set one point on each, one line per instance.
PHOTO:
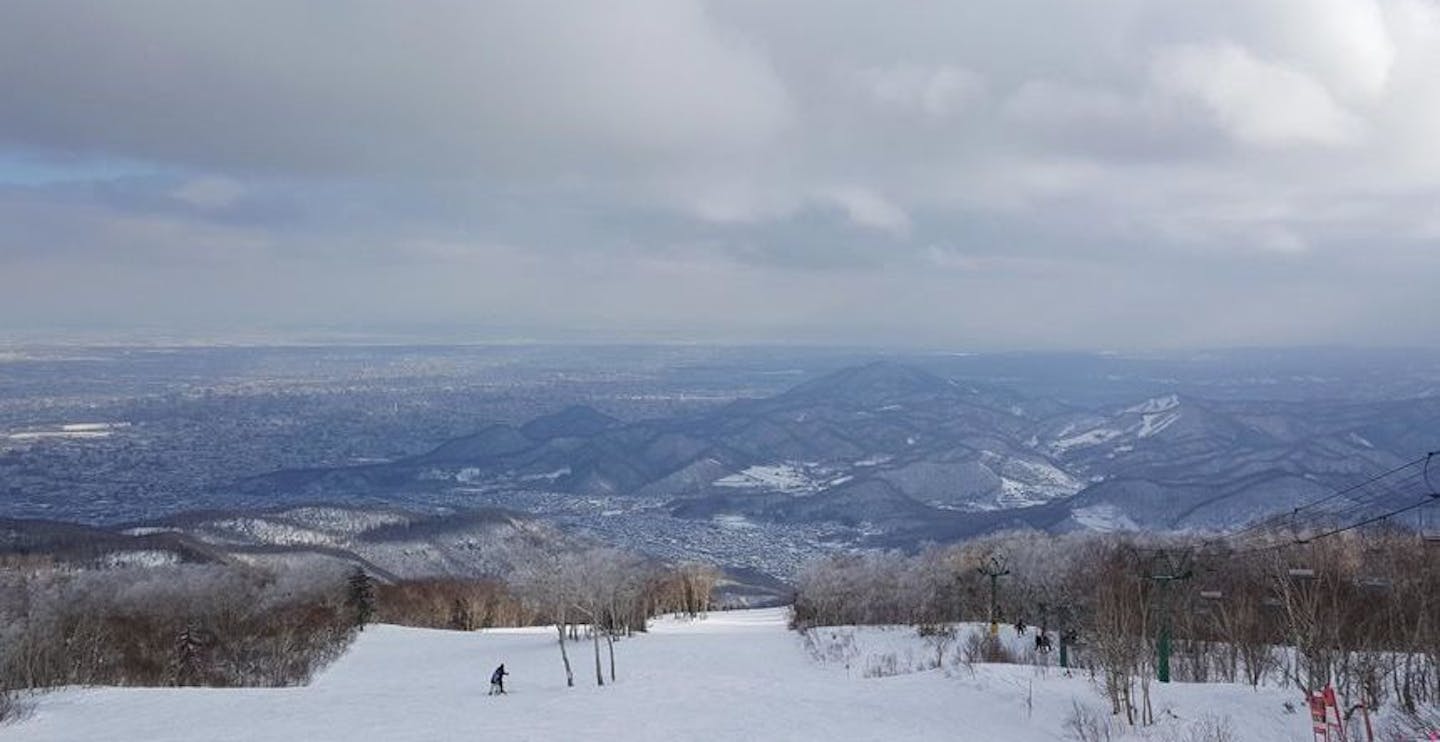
(319, 337)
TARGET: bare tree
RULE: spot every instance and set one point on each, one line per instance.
(547, 582)
(185, 625)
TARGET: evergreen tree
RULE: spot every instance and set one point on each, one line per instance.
(190, 646)
(360, 597)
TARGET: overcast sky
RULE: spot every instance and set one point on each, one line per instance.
(1018, 174)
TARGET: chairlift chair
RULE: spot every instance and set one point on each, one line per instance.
(1429, 528)
(1431, 534)
(1374, 583)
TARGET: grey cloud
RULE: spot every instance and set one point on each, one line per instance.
(1032, 173)
(386, 88)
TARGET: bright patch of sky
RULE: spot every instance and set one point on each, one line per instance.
(20, 169)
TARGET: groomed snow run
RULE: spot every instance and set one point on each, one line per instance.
(732, 676)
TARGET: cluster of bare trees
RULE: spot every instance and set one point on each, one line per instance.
(609, 593)
(9, 705)
(686, 588)
(1360, 610)
(451, 603)
(231, 626)
(597, 595)
(174, 625)
(937, 585)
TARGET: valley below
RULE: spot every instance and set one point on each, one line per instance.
(441, 461)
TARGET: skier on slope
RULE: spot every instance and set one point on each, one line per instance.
(497, 680)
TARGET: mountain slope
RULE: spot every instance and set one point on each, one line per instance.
(890, 448)
(403, 685)
(389, 542)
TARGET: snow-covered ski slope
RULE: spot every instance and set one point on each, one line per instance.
(732, 676)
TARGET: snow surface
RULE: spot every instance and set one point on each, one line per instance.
(36, 435)
(1155, 415)
(785, 477)
(733, 676)
(70, 430)
(1361, 440)
(733, 522)
(91, 427)
(1154, 423)
(1104, 517)
(563, 471)
(1088, 438)
(1045, 478)
(1157, 404)
(140, 558)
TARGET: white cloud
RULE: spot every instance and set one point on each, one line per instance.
(869, 209)
(1256, 101)
(388, 88)
(1345, 43)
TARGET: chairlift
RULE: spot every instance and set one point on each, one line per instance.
(1430, 535)
(1374, 583)
(1429, 529)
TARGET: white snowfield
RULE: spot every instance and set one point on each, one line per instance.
(731, 676)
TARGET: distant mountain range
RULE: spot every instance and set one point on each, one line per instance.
(906, 455)
(391, 544)
(388, 542)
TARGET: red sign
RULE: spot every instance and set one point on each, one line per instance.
(1319, 717)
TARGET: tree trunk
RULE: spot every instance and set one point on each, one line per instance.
(610, 644)
(595, 639)
(569, 676)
